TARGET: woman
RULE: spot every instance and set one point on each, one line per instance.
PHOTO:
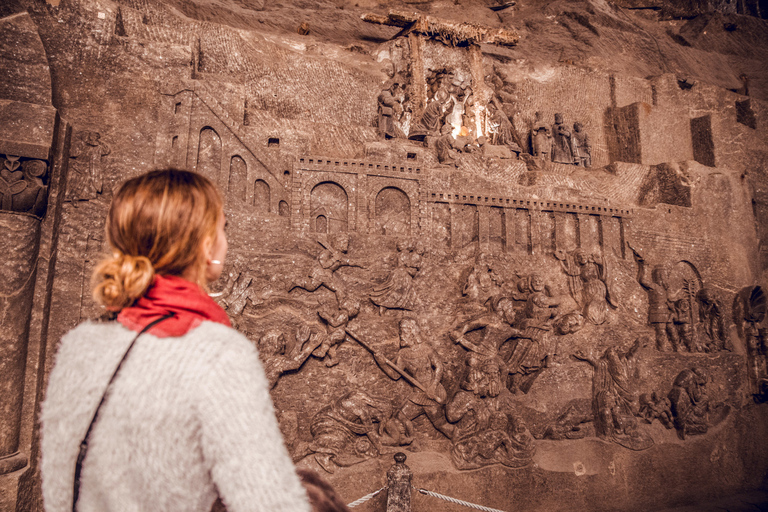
(188, 416)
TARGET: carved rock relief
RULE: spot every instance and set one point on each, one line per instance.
(421, 317)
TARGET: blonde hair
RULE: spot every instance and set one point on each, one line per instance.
(157, 224)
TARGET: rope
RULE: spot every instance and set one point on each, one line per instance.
(458, 502)
(364, 498)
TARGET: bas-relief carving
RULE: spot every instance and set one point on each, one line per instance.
(86, 167)
(464, 378)
(23, 187)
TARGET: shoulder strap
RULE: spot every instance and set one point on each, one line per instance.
(84, 442)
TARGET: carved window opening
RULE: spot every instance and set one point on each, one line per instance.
(282, 209)
(321, 224)
(209, 155)
(286, 173)
(273, 142)
(745, 115)
(174, 141)
(392, 212)
(701, 136)
(261, 196)
(330, 200)
(411, 156)
(238, 177)
(177, 107)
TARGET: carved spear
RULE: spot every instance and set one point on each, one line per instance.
(392, 365)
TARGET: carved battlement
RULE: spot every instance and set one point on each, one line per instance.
(358, 166)
(530, 204)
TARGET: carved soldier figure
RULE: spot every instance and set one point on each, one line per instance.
(397, 291)
(337, 322)
(272, 351)
(482, 410)
(562, 151)
(582, 149)
(660, 304)
(497, 329)
(389, 108)
(350, 430)
(333, 257)
(422, 363)
(588, 282)
(614, 399)
(541, 138)
(531, 353)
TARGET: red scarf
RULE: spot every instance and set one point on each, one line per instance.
(171, 294)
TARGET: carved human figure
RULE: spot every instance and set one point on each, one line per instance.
(683, 323)
(502, 131)
(238, 290)
(487, 429)
(582, 149)
(654, 406)
(614, 398)
(588, 283)
(532, 351)
(85, 179)
(711, 314)
(337, 321)
(352, 429)
(272, 348)
(423, 365)
(397, 292)
(497, 328)
(749, 310)
(388, 109)
(431, 120)
(690, 403)
(446, 152)
(541, 138)
(331, 258)
(660, 304)
(482, 282)
(562, 151)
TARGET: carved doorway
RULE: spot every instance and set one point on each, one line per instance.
(328, 200)
(392, 212)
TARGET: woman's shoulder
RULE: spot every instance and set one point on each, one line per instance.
(223, 340)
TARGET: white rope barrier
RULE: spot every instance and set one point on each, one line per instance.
(364, 498)
(458, 502)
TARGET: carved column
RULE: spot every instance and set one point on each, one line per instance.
(28, 128)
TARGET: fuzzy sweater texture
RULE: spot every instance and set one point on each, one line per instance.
(186, 418)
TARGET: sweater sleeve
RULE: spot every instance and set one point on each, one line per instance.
(241, 440)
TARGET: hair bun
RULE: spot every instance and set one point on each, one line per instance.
(120, 280)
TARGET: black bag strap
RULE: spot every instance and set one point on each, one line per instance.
(84, 442)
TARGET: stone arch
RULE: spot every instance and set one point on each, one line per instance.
(329, 199)
(392, 212)
(261, 196)
(283, 209)
(209, 154)
(238, 177)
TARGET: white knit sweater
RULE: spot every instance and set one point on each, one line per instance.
(186, 418)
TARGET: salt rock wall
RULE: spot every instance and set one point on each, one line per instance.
(542, 281)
